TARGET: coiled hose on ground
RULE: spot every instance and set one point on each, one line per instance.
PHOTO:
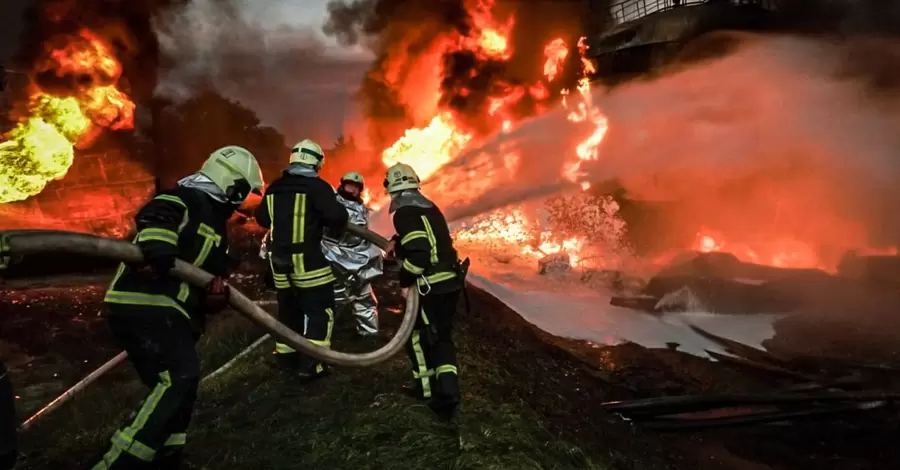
(28, 242)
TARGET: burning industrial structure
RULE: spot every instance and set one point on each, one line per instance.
(778, 152)
(492, 102)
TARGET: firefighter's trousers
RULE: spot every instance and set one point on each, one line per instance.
(161, 346)
(360, 301)
(310, 312)
(8, 422)
(432, 352)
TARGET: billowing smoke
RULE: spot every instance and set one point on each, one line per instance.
(844, 16)
(266, 58)
(125, 25)
(785, 139)
(421, 46)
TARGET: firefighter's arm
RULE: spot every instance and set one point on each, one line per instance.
(334, 215)
(413, 246)
(262, 214)
(158, 224)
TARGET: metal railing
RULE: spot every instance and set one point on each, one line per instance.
(629, 10)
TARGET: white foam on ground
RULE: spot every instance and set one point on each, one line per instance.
(568, 308)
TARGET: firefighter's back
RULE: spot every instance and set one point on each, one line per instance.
(183, 222)
(299, 209)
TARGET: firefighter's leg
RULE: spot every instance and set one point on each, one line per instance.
(8, 423)
(170, 455)
(291, 315)
(343, 299)
(440, 310)
(365, 310)
(165, 344)
(416, 349)
(317, 305)
(172, 451)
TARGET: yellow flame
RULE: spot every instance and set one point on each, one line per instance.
(429, 148)
(40, 149)
(512, 227)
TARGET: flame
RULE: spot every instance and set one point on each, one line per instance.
(41, 147)
(429, 148)
(489, 36)
(782, 252)
(442, 139)
(585, 111)
(777, 251)
(555, 52)
(512, 227)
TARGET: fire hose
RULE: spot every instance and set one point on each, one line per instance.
(28, 242)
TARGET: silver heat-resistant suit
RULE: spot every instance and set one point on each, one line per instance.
(356, 262)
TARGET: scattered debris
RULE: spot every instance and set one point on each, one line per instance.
(555, 264)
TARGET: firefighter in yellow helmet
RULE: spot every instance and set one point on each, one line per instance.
(356, 261)
(430, 264)
(158, 319)
(297, 208)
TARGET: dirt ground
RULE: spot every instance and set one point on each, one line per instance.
(547, 389)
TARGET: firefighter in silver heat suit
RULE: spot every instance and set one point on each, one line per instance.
(355, 261)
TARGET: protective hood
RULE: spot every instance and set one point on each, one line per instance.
(302, 169)
(348, 196)
(201, 182)
(409, 197)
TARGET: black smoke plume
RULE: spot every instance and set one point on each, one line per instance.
(401, 33)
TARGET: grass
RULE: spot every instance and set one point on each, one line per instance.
(255, 416)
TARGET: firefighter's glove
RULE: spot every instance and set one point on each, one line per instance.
(217, 293)
(391, 252)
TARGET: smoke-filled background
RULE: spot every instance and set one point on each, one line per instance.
(782, 139)
(410, 79)
(379, 69)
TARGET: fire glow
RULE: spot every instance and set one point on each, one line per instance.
(41, 147)
(430, 148)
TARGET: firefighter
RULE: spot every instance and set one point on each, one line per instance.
(8, 423)
(297, 208)
(429, 263)
(356, 261)
(158, 319)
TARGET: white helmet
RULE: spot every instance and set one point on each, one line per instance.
(309, 153)
(399, 177)
(354, 177)
(235, 171)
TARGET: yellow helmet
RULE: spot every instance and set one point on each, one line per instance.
(353, 177)
(235, 171)
(399, 177)
(309, 153)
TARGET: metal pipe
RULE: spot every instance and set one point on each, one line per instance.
(112, 363)
(68, 394)
(233, 361)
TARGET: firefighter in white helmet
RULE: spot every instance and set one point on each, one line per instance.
(356, 261)
(297, 208)
(157, 318)
(430, 264)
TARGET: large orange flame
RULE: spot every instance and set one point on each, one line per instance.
(40, 148)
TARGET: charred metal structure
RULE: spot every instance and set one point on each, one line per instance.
(649, 33)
